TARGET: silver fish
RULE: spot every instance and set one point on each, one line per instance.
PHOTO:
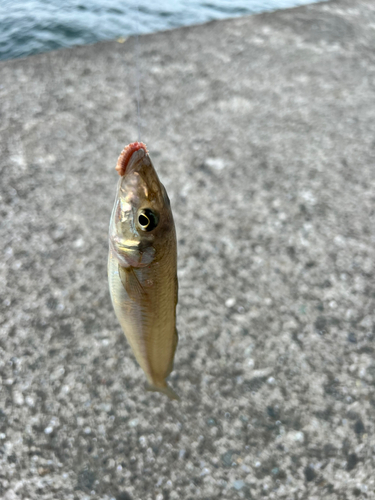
(142, 266)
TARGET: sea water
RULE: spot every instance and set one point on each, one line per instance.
(31, 26)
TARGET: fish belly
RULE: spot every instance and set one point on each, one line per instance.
(148, 320)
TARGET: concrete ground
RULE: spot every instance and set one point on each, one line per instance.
(263, 130)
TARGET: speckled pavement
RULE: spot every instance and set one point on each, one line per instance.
(263, 131)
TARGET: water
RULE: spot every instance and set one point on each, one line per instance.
(31, 26)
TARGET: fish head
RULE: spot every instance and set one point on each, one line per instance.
(141, 216)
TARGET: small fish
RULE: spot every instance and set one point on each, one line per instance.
(142, 266)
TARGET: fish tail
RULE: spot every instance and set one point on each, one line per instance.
(164, 389)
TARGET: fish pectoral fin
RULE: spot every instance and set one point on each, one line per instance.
(131, 283)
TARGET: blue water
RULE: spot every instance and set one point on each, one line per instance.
(31, 26)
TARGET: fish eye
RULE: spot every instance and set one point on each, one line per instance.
(147, 219)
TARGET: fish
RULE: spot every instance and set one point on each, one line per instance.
(142, 266)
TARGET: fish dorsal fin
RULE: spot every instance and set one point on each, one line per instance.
(131, 283)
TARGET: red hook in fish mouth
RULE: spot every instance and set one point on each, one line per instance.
(126, 154)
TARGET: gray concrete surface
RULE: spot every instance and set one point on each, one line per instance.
(262, 129)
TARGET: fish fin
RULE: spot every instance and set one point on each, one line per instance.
(175, 342)
(131, 283)
(168, 391)
(176, 291)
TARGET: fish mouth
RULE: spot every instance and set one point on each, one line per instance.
(136, 161)
(130, 154)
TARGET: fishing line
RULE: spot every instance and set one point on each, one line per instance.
(137, 69)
